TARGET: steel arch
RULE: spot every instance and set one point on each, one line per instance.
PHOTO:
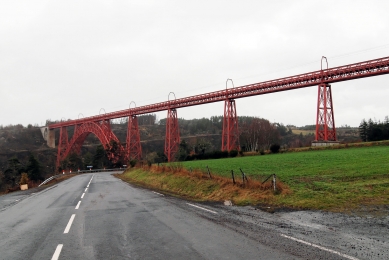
(102, 130)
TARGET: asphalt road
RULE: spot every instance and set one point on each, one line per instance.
(97, 216)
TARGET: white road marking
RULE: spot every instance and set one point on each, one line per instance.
(82, 196)
(87, 185)
(214, 212)
(78, 204)
(57, 252)
(69, 224)
(320, 247)
(158, 193)
(86, 189)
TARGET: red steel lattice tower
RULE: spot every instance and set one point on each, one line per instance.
(134, 148)
(325, 123)
(172, 139)
(230, 136)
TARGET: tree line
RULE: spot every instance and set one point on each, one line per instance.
(13, 171)
(374, 131)
(200, 139)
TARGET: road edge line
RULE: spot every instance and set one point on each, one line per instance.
(214, 212)
(320, 247)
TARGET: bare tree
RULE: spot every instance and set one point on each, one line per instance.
(258, 134)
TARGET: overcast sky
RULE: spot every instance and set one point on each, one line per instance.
(73, 59)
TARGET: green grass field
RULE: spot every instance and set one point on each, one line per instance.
(336, 179)
(303, 132)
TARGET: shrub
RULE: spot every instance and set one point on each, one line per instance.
(133, 163)
(275, 148)
(233, 153)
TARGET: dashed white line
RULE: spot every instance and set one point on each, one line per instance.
(57, 252)
(86, 189)
(78, 204)
(320, 247)
(87, 185)
(158, 193)
(82, 196)
(69, 224)
(214, 212)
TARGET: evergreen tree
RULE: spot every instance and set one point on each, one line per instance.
(88, 159)
(370, 129)
(183, 151)
(363, 130)
(34, 168)
(12, 174)
(75, 161)
(98, 158)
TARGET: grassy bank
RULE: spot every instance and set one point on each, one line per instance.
(336, 179)
(198, 186)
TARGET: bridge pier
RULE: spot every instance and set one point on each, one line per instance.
(325, 122)
(172, 139)
(49, 136)
(134, 148)
(230, 135)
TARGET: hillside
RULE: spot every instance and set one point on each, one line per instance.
(198, 136)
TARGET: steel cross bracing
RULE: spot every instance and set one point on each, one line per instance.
(343, 73)
(172, 138)
(325, 122)
(133, 149)
(230, 136)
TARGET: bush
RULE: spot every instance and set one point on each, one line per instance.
(275, 148)
(133, 163)
(233, 153)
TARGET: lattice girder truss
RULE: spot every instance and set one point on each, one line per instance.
(133, 148)
(172, 138)
(342, 73)
(325, 121)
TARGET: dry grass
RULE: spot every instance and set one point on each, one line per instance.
(176, 180)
